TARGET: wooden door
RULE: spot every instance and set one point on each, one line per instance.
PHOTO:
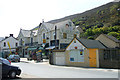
(92, 58)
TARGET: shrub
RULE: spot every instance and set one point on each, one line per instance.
(91, 37)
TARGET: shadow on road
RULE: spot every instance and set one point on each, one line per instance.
(7, 78)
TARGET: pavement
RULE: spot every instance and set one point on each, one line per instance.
(45, 61)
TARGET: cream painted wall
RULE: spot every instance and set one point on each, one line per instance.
(73, 45)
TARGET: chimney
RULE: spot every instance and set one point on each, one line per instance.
(42, 20)
(40, 24)
(6, 37)
(11, 35)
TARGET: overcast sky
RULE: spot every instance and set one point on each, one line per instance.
(27, 14)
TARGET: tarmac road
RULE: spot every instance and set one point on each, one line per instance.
(44, 70)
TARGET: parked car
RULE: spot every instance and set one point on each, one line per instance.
(14, 58)
(5, 61)
(9, 70)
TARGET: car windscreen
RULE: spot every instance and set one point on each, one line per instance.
(11, 56)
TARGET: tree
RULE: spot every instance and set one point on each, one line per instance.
(115, 34)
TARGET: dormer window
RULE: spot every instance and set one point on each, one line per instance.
(75, 35)
(67, 25)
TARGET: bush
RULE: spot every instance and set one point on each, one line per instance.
(91, 37)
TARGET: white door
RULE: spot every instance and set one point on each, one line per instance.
(60, 58)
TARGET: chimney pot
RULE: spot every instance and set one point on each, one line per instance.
(6, 37)
(11, 35)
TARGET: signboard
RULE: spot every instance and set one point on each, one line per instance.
(44, 40)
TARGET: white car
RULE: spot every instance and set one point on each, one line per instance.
(5, 61)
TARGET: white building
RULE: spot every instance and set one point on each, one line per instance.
(9, 44)
(66, 31)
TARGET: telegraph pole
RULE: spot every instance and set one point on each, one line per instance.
(55, 37)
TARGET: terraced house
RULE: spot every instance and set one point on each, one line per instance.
(27, 38)
(44, 36)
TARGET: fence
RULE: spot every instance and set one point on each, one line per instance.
(110, 58)
(112, 54)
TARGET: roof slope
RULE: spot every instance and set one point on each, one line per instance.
(59, 25)
(1, 38)
(26, 33)
(92, 43)
(111, 37)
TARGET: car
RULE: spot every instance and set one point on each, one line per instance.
(14, 58)
(9, 70)
(5, 61)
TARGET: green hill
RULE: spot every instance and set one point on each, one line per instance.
(104, 19)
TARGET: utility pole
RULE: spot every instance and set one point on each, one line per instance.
(31, 37)
(55, 37)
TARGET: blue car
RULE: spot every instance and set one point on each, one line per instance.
(14, 58)
(9, 70)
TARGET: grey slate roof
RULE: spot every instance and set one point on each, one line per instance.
(59, 24)
(92, 43)
(1, 38)
(112, 38)
(26, 33)
(48, 25)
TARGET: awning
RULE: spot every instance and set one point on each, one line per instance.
(51, 47)
(31, 48)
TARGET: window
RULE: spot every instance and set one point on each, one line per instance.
(71, 59)
(70, 23)
(107, 55)
(75, 35)
(43, 35)
(81, 52)
(4, 44)
(16, 44)
(64, 35)
(67, 25)
(54, 35)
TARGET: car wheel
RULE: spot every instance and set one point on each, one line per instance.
(28, 59)
(12, 74)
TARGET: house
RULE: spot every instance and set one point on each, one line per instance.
(109, 41)
(47, 35)
(27, 38)
(44, 35)
(9, 44)
(65, 31)
(79, 52)
(110, 57)
(1, 38)
(83, 52)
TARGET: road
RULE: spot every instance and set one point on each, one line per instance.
(41, 70)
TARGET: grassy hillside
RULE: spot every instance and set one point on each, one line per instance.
(104, 19)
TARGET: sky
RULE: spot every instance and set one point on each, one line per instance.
(27, 14)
